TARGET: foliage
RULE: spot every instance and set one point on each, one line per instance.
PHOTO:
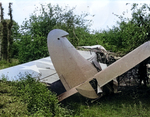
(126, 35)
(130, 33)
(28, 97)
(30, 42)
(4, 43)
(30, 49)
(10, 105)
(10, 38)
(15, 35)
(35, 30)
(38, 97)
(6, 39)
(5, 64)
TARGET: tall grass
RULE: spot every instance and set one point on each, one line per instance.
(29, 97)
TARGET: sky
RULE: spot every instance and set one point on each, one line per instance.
(103, 10)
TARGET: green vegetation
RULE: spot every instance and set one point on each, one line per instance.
(34, 31)
(130, 102)
(122, 38)
(30, 39)
(10, 105)
(6, 39)
(29, 97)
(5, 64)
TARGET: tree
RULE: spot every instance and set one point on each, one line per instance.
(1, 18)
(10, 38)
(34, 31)
(6, 39)
(130, 33)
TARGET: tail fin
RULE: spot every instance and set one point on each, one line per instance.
(71, 67)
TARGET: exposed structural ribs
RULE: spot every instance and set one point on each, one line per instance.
(116, 69)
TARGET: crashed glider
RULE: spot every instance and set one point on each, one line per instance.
(79, 75)
(73, 70)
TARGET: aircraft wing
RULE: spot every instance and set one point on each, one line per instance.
(41, 68)
(116, 69)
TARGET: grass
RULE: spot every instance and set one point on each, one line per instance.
(131, 103)
(10, 105)
(30, 98)
(5, 64)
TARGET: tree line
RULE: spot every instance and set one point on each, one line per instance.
(30, 39)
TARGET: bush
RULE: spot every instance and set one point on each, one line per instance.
(29, 97)
(38, 98)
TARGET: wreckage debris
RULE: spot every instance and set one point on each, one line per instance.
(136, 76)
